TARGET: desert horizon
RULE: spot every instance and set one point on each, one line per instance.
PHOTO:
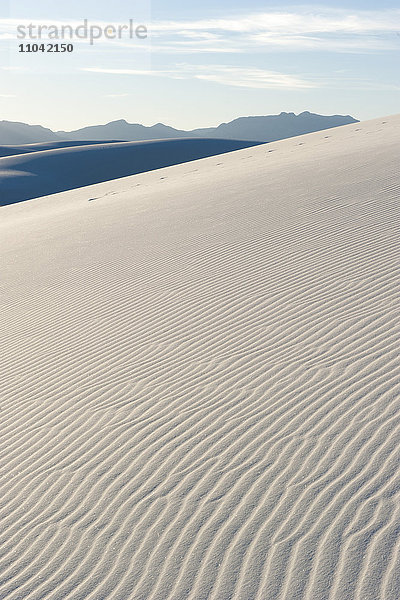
(261, 128)
(38, 168)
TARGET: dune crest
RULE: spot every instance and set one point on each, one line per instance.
(65, 166)
(200, 379)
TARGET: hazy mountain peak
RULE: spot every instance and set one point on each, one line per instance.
(117, 122)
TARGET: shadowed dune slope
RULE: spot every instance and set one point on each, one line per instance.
(199, 379)
(27, 148)
(35, 174)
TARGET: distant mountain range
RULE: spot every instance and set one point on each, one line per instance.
(262, 129)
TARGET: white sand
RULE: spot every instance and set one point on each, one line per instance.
(199, 379)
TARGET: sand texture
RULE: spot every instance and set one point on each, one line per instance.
(200, 379)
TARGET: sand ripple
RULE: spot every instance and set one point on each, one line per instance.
(200, 380)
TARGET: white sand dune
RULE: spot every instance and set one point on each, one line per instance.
(200, 379)
(61, 166)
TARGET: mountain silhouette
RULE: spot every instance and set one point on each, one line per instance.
(262, 129)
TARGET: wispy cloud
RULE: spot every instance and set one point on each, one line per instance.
(317, 20)
(252, 78)
(334, 30)
(222, 74)
(249, 77)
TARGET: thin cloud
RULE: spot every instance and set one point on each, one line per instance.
(250, 77)
(221, 74)
(289, 22)
(330, 30)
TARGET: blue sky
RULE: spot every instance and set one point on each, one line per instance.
(204, 64)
